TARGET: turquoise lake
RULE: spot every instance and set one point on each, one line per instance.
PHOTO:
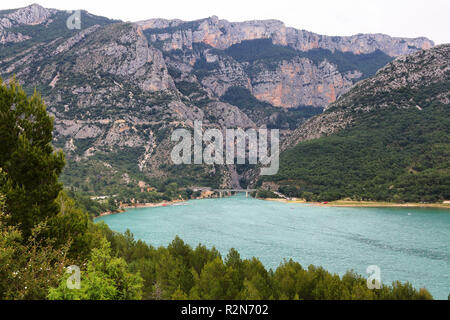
(408, 244)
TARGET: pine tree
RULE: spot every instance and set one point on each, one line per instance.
(28, 158)
(106, 278)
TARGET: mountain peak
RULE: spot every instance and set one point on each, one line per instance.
(221, 34)
(30, 15)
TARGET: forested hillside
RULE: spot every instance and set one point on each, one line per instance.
(395, 144)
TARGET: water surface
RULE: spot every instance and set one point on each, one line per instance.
(408, 244)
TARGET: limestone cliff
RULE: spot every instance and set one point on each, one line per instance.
(221, 34)
(117, 90)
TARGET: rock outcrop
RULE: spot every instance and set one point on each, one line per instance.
(221, 34)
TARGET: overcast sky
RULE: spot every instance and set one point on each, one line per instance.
(403, 18)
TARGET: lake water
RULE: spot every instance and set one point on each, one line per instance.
(408, 244)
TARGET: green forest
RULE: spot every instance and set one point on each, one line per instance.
(43, 231)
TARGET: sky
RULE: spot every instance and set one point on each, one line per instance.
(399, 18)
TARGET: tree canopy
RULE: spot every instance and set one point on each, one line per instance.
(27, 157)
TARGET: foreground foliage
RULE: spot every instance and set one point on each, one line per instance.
(180, 272)
(27, 266)
(27, 156)
(105, 278)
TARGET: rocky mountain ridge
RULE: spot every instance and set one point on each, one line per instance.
(425, 68)
(117, 90)
(221, 34)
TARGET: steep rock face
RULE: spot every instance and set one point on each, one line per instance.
(31, 15)
(227, 74)
(127, 54)
(387, 89)
(359, 44)
(300, 82)
(288, 83)
(118, 50)
(282, 79)
(221, 34)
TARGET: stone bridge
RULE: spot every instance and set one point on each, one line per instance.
(222, 191)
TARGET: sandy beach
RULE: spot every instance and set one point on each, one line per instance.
(143, 205)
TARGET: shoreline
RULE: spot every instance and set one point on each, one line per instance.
(338, 203)
(142, 205)
(365, 204)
